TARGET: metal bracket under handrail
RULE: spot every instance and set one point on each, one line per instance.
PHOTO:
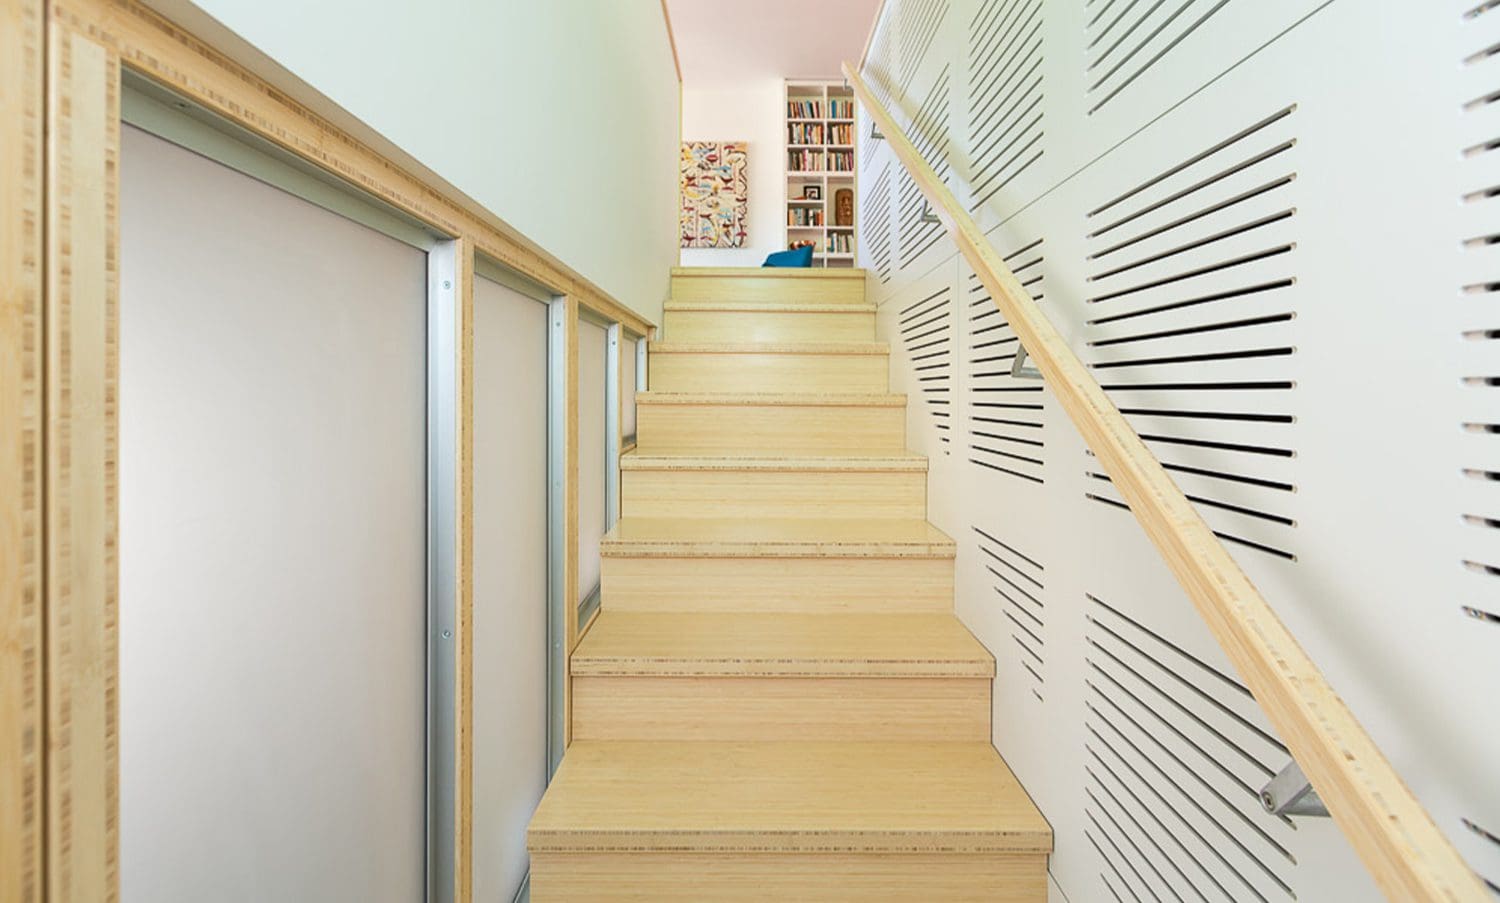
(1291, 793)
(1018, 368)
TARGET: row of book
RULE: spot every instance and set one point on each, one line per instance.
(804, 109)
(814, 160)
(805, 160)
(841, 133)
(804, 133)
(840, 243)
(813, 109)
(804, 216)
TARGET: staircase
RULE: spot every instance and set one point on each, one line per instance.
(776, 700)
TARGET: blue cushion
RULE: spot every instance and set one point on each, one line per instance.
(801, 257)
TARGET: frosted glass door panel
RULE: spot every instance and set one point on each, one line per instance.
(510, 581)
(272, 543)
(593, 357)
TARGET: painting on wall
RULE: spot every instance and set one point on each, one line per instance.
(714, 194)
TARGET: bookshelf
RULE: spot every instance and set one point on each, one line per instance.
(820, 160)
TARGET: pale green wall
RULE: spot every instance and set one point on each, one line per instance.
(560, 116)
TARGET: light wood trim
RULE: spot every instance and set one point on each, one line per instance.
(463, 683)
(666, 16)
(1401, 846)
(82, 295)
(22, 98)
(571, 634)
(152, 45)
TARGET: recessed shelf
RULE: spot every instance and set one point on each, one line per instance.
(819, 141)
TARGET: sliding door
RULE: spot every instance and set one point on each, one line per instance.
(272, 542)
(510, 581)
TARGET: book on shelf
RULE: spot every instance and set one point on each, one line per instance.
(841, 133)
(840, 161)
(839, 243)
(804, 109)
(840, 109)
(804, 216)
(804, 133)
(806, 160)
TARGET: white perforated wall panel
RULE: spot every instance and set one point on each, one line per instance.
(1270, 227)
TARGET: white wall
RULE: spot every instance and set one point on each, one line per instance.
(559, 117)
(748, 111)
(1294, 321)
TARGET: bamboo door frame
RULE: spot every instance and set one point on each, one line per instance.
(60, 73)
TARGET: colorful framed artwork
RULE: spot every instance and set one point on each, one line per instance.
(715, 196)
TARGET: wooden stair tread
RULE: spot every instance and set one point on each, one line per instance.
(814, 463)
(800, 307)
(867, 348)
(781, 645)
(799, 273)
(786, 796)
(779, 536)
(808, 399)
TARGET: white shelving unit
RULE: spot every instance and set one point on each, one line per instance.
(819, 159)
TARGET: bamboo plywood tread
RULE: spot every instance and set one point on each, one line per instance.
(802, 307)
(781, 645)
(669, 347)
(814, 463)
(771, 273)
(786, 797)
(707, 537)
(774, 399)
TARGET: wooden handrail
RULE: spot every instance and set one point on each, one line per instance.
(1401, 846)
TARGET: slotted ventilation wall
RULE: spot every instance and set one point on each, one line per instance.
(1287, 280)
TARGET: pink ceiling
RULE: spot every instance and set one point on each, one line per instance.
(736, 40)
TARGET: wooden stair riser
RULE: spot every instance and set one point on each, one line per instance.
(753, 877)
(781, 708)
(763, 372)
(808, 585)
(768, 324)
(770, 430)
(806, 287)
(773, 493)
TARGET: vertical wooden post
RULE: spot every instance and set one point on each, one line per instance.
(463, 596)
(22, 96)
(82, 292)
(570, 511)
